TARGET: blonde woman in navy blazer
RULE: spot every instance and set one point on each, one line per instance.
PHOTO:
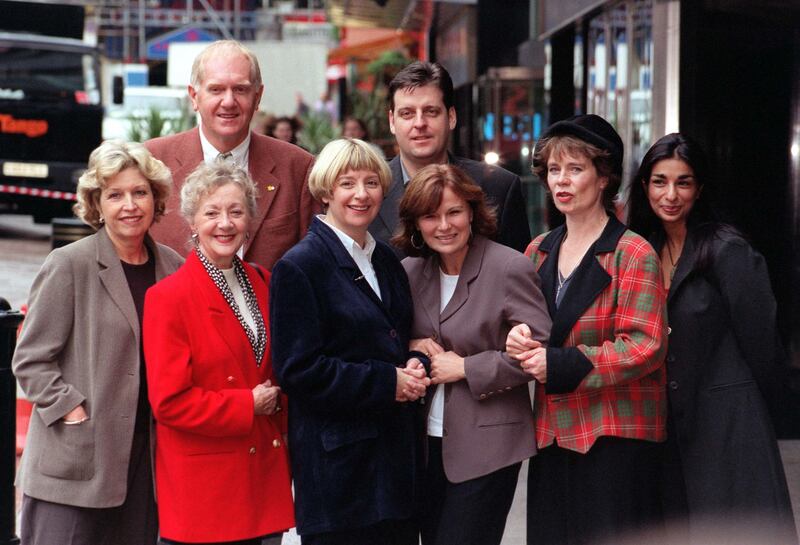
(340, 318)
(468, 293)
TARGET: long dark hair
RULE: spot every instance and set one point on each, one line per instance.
(704, 223)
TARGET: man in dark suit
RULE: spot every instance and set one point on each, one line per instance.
(421, 116)
(225, 90)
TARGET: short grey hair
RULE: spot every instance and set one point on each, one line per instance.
(108, 160)
(207, 178)
(224, 48)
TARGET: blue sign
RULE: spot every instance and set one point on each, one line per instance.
(157, 48)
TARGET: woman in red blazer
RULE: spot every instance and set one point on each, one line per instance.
(600, 395)
(221, 467)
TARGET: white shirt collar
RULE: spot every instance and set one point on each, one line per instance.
(240, 153)
(351, 245)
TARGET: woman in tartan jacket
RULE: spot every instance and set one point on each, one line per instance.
(600, 399)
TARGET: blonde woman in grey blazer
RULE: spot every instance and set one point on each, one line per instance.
(468, 293)
(85, 473)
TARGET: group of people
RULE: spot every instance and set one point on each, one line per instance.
(631, 365)
(288, 128)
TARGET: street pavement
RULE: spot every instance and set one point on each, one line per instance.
(516, 527)
(24, 245)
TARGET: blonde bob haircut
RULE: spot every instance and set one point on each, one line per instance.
(224, 49)
(108, 160)
(341, 156)
(207, 178)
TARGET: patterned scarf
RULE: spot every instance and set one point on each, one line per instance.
(258, 340)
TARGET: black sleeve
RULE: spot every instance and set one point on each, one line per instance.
(512, 226)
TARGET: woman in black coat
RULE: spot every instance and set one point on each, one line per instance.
(722, 463)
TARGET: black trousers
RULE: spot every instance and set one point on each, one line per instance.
(612, 490)
(387, 532)
(470, 513)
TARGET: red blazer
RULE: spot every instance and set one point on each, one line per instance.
(605, 356)
(222, 473)
(280, 172)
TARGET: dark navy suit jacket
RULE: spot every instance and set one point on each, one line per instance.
(335, 347)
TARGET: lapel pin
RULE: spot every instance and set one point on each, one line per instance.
(270, 187)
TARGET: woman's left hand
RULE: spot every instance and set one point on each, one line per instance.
(447, 367)
(535, 363)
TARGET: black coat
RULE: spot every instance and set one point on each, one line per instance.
(502, 188)
(723, 358)
(335, 346)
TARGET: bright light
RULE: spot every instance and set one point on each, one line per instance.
(491, 158)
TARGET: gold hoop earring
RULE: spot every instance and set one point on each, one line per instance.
(415, 245)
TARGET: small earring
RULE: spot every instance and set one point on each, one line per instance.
(417, 246)
(196, 239)
(102, 220)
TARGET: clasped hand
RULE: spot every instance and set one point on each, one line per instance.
(532, 356)
(266, 397)
(412, 381)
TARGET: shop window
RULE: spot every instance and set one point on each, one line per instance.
(641, 83)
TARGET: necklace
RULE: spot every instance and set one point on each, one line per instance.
(560, 285)
(672, 261)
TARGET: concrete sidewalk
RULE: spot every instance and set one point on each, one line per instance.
(515, 527)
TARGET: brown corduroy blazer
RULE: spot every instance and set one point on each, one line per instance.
(280, 171)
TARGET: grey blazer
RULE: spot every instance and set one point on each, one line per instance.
(80, 344)
(488, 420)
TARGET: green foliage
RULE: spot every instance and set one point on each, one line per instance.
(372, 107)
(154, 124)
(385, 67)
(317, 131)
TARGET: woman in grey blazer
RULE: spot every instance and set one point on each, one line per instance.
(468, 292)
(85, 472)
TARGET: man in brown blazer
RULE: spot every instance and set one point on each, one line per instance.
(225, 90)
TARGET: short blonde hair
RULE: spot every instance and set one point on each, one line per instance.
(108, 160)
(341, 156)
(224, 48)
(207, 178)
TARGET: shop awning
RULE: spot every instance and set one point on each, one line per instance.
(400, 14)
(367, 51)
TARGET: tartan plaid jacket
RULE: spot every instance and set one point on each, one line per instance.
(605, 372)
